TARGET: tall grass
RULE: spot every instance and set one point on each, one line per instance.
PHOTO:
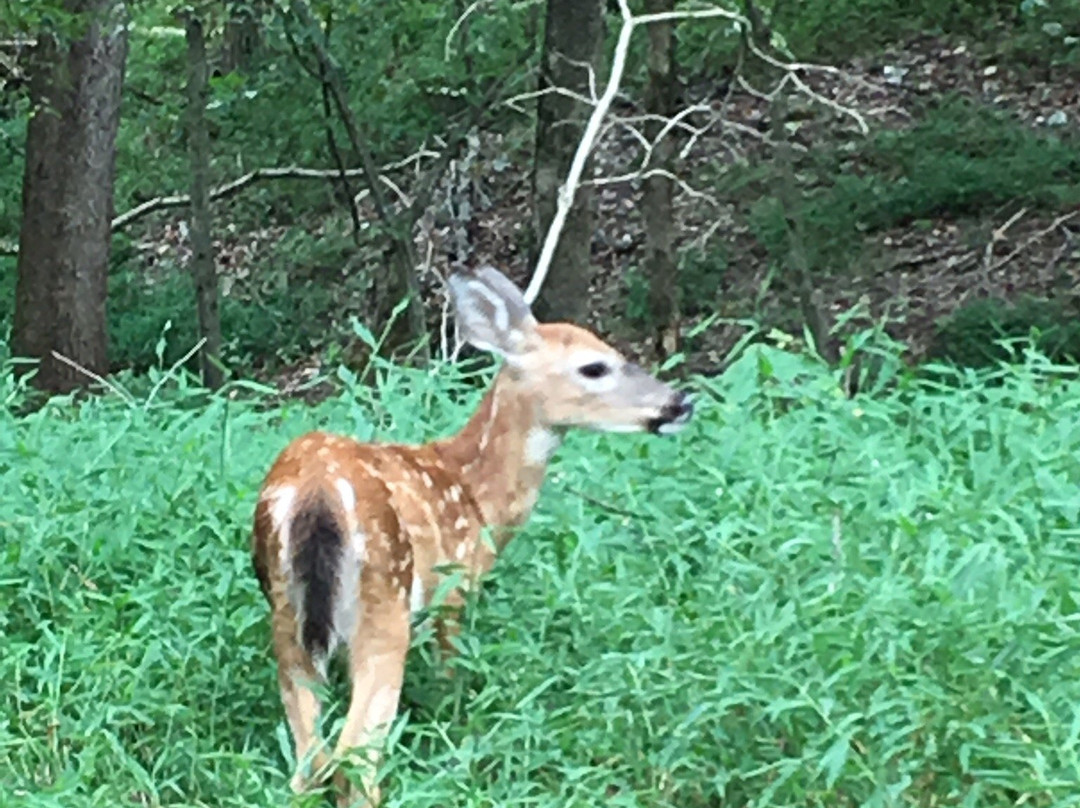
(803, 600)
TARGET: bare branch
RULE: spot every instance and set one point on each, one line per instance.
(230, 188)
(577, 166)
(596, 124)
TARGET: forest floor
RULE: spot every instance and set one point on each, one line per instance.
(911, 270)
(912, 274)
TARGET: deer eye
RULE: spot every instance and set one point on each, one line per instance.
(595, 370)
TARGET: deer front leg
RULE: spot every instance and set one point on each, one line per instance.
(295, 675)
(377, 669)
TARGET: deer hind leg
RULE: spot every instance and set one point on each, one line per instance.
(448, 627)
(377, 668)
(296, 675)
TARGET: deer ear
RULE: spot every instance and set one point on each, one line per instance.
(491, 312)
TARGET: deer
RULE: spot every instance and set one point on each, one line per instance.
(350, 539)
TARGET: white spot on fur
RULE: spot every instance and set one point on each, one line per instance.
(348, 496)
(672, 428)
(461, 523)
(454, 493)
(459, 553)
(427, 479)
(540, 445)
(416, 594)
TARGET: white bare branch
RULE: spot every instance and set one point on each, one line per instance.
(597, 127)
(577, 166)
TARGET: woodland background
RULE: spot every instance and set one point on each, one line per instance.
(851, 581)
(931, 184)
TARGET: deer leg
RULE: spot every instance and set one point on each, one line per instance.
(448, 627)
(295, 674)
(377, 668)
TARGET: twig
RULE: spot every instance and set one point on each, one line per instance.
(1036, 237)
(655, 172)
(120, 391)
(999, 235)
(172, 370)
(230, 188)
(607, 506)
(460, 21)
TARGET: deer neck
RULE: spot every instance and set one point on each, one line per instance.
(503, 453)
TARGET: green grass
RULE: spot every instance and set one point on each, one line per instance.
(803, 600)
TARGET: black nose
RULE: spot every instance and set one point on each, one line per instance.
(680, 409)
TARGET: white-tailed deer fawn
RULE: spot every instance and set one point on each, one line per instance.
(349, 538)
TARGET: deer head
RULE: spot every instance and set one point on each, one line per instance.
(575, 378)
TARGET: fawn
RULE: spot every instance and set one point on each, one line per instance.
(350, 539)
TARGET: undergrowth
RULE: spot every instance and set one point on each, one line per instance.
(962, 159)
(802, 600)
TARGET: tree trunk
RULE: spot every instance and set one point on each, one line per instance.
(656, 206)
(64, 240)
(202, 261)
(573, 40)
(242, 37)
(815, 316)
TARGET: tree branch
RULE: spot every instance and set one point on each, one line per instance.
(229, 189)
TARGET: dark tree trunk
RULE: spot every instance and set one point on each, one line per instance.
(243, 35)
(573, 39)
(202, 261)
(656, 206)
(64, 241)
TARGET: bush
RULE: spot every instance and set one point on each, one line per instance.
(978, 333)
(962, 159)
(280, 324)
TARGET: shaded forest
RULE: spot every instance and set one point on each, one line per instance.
(281, 172)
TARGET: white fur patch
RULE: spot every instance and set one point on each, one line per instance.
(347, 594)
(416, 594)
(672, 428)
(348, 495)
(540, 445)
(281, 501)
(620, 427)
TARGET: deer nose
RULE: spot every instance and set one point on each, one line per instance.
(679, 409)
(673, 416)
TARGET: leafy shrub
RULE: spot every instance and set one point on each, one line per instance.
(962, 159)
(974, 334)
(281, 324)
(700, 277)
